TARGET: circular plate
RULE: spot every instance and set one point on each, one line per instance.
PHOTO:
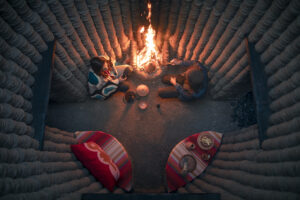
(142, 90)
(205, 141)
(191, 162)
(189, 145)
(143, 105)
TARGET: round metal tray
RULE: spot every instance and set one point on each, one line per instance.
(205, 141)
(191, 162)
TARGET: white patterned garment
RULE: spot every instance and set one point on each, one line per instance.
(100, 87)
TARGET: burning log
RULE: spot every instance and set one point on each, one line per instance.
(150, 68)
(149, 58)
(139, 37)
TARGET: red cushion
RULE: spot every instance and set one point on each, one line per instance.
(98, 163)
(115, 150)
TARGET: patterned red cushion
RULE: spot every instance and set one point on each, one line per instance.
(92, 156)
(116, 152)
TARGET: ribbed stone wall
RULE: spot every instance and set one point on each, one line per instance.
(54, 173)
(211, 32)
(243, 170)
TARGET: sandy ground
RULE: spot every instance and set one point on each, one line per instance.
(148, 135)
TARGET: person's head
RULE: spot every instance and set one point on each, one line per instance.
(195, 78)
(100, 64)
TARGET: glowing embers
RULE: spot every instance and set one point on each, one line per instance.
(149, 58)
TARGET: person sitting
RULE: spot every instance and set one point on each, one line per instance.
(190, 85)
(105, 78)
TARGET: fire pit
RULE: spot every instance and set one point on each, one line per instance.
(149, 58)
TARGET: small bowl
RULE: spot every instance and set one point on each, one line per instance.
(187, 164)
(189, 146)
(142, 90)
(129, 97)
(205, 156)
(143, 105)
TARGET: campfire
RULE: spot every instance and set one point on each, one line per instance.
(148, 58)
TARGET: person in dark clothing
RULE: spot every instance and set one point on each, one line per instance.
(190, 85)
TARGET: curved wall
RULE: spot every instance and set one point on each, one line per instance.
(209, 31)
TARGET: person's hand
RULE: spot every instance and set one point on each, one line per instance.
(175, 61)
(123, 78)
(111, 62)
(105, 67)
(173, 80)
(108, 78)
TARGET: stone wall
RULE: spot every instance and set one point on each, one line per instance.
(212, 32)
(54, 173)
(243, 170)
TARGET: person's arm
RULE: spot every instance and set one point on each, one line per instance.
(202, 91)
(113, 69)
(102, 82)
(95, 82)
(183, 94)
(105, 91)
(185, 63)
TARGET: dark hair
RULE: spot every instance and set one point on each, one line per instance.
(195, 78)
(97, 64)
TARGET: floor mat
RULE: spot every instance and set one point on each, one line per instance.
(149, 135)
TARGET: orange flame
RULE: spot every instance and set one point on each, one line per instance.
(142, 30)
(149, 54)
(149, 13)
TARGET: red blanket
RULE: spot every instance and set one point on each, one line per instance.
(115, 150)
(202, 151)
